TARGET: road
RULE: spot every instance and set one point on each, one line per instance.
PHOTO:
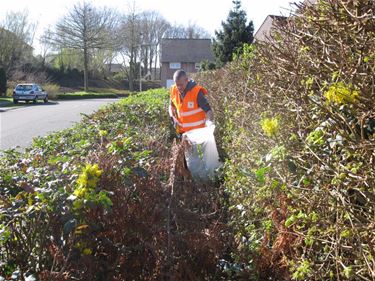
(20, 125)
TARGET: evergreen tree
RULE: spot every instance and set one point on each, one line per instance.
(235, 33)
(3, 82)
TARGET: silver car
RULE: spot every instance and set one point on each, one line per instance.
(29, 92)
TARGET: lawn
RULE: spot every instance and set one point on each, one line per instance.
(5, 99)
(86, 95)
(5, 102)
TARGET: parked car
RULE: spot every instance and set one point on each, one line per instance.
(29, 92)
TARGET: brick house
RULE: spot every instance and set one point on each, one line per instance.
(184, 54)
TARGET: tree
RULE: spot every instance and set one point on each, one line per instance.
(101, 59)
(236, 31)
(86, 28)
(207, 65)
(130, 42)
(67, 59)
(153, 28)
(3, 82)
(192, 31)
(140, 35)
(45, 43)
(16, 37)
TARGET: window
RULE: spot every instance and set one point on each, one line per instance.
(174, 65)
(197, 65)
(24, 87)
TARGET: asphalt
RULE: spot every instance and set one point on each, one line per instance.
(19, 125)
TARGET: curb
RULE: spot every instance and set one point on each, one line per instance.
(6, 106)
(4, 109)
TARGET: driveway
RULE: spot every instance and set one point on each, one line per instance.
(18, 126)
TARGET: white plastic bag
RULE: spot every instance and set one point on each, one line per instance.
(201, 155)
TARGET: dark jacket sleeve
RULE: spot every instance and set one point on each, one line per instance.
(203, 102)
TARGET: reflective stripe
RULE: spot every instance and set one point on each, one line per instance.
(184, 125)
(192, 112)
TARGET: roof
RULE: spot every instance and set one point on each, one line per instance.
(269, 22)
(114, 67)
(310, 2)
(186, 50)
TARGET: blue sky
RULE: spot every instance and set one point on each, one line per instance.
(206, 13)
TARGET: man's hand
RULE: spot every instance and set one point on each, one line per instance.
(173, 121)
(172, 114)
(186, 142)
(209, 123)
(209, 118)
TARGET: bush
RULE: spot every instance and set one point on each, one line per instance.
(98, 197)
(52, 90)
(296, 122)
(118, 92)
(10, 92)
(119, 76)
(85, 95)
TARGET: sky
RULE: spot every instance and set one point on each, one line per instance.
(205, 13)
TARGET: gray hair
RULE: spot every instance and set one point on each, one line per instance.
(179, 74)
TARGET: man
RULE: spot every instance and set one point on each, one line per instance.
(189, 108)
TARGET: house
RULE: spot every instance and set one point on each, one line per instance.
(271, 22)
(310, 2)
(268, 24)
(184, 54)
(114, 68)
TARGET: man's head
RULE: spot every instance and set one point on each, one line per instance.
(181, 79)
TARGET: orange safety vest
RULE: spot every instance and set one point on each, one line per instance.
(189, 115)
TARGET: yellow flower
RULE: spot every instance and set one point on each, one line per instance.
(340, 93)
(87, 251)
(89, 176)
(270, 126)
(80, 192)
